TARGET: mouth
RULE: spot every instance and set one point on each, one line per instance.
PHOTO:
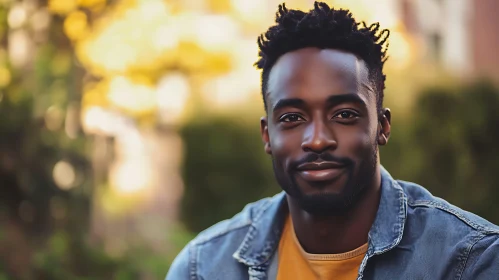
(321, 171)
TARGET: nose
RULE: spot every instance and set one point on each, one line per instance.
(318, 138)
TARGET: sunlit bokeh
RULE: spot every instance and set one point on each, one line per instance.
(109, 105)
(172, 94)
(64, 175)
(17, 16)
(164, 62)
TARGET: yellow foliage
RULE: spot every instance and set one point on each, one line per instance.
(91, 3)
(5, 77)
(144, 40)
(125, 39)
(218, 63)
(219, 6)
(75, 25)
(62, 6)
(133, 98)
(192, 56)
(94, 94)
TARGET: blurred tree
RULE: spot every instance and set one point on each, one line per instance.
(225, 168)
(44, 170)
(448, 145)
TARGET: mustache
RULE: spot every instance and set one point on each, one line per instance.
(313, 157)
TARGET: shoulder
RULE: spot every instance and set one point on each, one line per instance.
(421, 202)
(445, 233)
(483, 259)
(218, 242)
(242, 220)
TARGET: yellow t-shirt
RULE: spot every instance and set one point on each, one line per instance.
(295, 263)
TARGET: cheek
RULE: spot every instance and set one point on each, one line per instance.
(356, 142)
(284, 146)
(278, 144)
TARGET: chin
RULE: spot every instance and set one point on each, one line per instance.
(337, 188)
(329, 199)
(322, 194)
(323, 197)
(325, 204)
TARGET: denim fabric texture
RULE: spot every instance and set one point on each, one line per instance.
(414, 236)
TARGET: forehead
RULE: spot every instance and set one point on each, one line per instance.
(318, 73)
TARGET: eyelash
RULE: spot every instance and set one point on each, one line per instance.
(285, 116)
(281, 119)
(353, 114)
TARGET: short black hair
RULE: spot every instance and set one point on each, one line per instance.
(326, 28)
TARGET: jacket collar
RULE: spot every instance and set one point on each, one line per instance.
(388, 227)
(264, 233)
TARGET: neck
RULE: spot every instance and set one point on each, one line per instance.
(337, 233)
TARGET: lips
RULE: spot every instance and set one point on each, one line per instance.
(320, 171)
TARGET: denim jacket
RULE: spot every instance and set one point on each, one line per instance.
(414, 236)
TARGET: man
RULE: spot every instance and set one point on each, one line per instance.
(341, 215)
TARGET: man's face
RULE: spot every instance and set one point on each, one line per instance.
(322, 128)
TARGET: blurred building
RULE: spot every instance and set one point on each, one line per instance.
(459, 35)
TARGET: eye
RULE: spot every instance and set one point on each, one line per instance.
(345, 115)
(291, 118)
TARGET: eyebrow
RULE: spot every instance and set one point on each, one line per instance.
(290, 102)
(345, 98)
(330, 101)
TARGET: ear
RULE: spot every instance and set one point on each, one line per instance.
(385, 127)
(264, 130)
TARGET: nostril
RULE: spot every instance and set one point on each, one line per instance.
(319, 145)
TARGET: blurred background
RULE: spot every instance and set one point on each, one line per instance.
(129, 126)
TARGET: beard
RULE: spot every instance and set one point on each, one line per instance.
(359, 179)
